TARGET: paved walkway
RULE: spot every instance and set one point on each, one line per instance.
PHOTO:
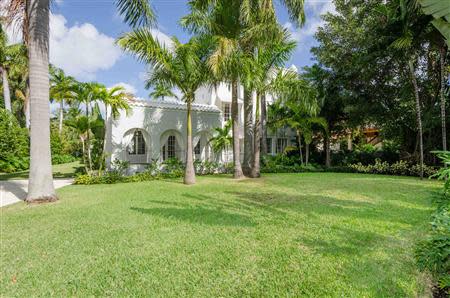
(13, 191)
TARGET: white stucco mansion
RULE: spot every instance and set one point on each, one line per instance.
(156, 130)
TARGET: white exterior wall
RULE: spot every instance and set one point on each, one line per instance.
(157, 118)
(155, 122)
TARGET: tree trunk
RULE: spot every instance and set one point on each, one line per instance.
(248, 132)
(189, 174)
(103, 156)
(263, 125)
(327, 144)
(256, 167)
(418, 114)
(306, 153)
(235, 119)
(6, 91)
(26, 105)
(442, 95)
(299, 138)
(40, 186)
(84, 155)
(61, 116)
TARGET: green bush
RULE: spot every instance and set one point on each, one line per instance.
(14, 144)
(400, 168)
(62, 158)
(433, 253)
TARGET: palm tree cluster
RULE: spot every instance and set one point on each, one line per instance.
(230, 44)
(34, 16)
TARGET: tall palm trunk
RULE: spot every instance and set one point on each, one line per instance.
(327, 144)
(248, 131)
(255, 170)
(61, 116)
(418, 113)
(88, 140)
(235, 119)
(40, 186)
(189, 174)
(306, 153)
(103, 155)
(263, 125)
(26, 105)
(299, 137)
(6, 91)
(443, 52)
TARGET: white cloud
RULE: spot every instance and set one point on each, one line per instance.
(314, 10)
(162, 38)
(128, 87)
(81, 50)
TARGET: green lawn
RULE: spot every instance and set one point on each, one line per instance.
(309, 235)
(66, 170)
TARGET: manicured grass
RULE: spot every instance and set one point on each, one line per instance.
(311, 235)
(66, 170)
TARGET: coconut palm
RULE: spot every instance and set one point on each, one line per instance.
(35, 18)
(183, 66)
(162, 91)
(61, 89)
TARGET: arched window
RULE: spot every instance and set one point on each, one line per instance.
(169, 150)
(137, 145)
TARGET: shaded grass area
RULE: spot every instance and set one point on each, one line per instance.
(310, 235)
(66, 170)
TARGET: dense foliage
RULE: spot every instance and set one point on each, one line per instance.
(14, 144)
(433, 253)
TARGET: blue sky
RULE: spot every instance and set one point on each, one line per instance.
(83, 33)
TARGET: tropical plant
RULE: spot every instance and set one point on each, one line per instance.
(35, 18)
(440, 10)
(116, 100)
(61, 89)
(221, 139)
(13, 62)
(162, 91)
(263, 75)
(183, 66)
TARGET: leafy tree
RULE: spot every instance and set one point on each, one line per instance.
(183, 66)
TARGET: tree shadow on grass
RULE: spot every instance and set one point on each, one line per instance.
(199, 215)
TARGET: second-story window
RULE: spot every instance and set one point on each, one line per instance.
(226, 109)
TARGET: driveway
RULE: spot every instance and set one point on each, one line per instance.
(13, 191)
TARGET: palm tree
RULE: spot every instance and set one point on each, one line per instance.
(35, 17)
(161, 91)
(221, 139)
(297, 108)
(13, 60)
(89, 94)
(237, 26)
(263, 76)
(61, 88)
(184, 66)
(116, 99)
(40, 187)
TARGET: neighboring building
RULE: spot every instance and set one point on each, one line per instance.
(156, 130)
